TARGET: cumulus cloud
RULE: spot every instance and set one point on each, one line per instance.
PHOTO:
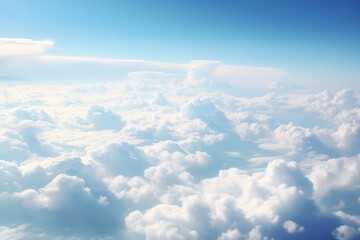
(335, 174)
(291, 139)
(70, 206)
(231, 234)
(292, 227)
(206, 111)
(169, 152)
(54, 195)
(347, 137)
(136, 188)
(250, 202)
(345, 232)
(102, 119)
(121, 158)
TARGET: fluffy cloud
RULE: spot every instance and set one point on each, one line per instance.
(292, 227)
(231, 234)
(253, 203)
(291, 139)
(334, 182)
(174, 151)
(69, 205)
(345, 232)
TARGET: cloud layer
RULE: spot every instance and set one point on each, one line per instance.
(36, 65)
(158, 155)
(10, 47)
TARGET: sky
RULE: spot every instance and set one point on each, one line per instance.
(315, 41)
(173, 120)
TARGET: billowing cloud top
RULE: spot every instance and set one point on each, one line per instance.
(174, 151)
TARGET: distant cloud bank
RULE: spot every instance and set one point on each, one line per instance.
(30, 57)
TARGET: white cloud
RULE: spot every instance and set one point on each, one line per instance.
(13, 233)
(164, 222)
(292, 227)
(157, 157)
(289, 138)
(21, 46)
(248, 75)
(231, 234)
(234, 198)
(114, 61)
(348, 218)
(347, 137)
(252, 131)
(45, 67)
(255, 234)
(345, 232)
(201, 71)
(135, 188)
(335, 174)
(57, 194)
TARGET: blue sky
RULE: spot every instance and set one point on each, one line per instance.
(312, 40)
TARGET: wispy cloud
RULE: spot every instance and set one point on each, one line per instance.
(113, 61)
(31, 57)
(21, 46)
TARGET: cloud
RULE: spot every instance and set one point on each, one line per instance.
(214, 74)
(10, 176)
(206, 111)
(247, 75)
(200, 71)
(169, 221)
(13, 233)
(20, 46)
(291, 227)
(348, 137)
(30, 56)
(335, 180)
(54, 195)
(120, 158)
(354, 220)
(163, 154)
(294, 140)
(345, 232)
(102, 119)
(113, 61)
(70, 206)
(251, 203)
(231, 234)
(136, 188)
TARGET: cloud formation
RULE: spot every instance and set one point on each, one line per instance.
(176, 155)
(21, 46)
(30, 56)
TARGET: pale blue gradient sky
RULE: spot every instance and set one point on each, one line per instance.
(315, 41)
